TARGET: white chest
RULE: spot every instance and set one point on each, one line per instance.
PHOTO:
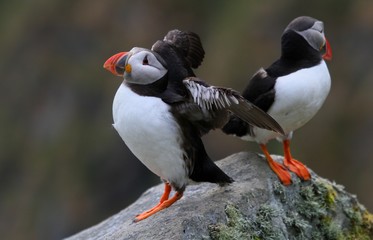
(299, 96)
(150, 132)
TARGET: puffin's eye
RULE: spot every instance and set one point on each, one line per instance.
(145, 61)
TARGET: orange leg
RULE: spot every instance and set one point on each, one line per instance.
(163, 203)
(294, 165)
(166, 194)
(280, 170)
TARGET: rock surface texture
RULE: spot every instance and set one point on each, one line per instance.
(255, 206)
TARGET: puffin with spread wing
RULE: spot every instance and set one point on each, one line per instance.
(161, 110)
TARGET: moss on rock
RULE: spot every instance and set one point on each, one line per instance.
(240, 227)
(317, 209)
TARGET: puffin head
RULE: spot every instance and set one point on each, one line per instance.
(312, 30)
(138, 66)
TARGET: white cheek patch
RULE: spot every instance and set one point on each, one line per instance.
(144, 74)
(145, 68)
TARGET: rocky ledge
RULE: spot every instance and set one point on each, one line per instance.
(255, 206)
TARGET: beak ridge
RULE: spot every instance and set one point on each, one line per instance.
(115, 64)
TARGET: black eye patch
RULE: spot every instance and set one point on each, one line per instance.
(145, 61)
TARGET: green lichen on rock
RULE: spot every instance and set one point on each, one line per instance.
(279, 191)
(360, 220)
(296, 225)
(317, 209)
(263, 226)
(240, 227)
(319, 205)
(311, 201)
(236, 227)
(329, 229)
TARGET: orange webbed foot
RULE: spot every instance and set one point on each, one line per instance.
(293, 165)
(277, 168)
(298, 168)
(166, 194)
(159, 207)
(281, 173)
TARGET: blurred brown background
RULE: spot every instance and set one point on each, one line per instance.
(62, 166)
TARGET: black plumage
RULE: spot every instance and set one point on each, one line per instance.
(292, 89)
(160, 86)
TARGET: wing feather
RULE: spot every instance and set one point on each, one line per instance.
(215, 99)
(189, 44)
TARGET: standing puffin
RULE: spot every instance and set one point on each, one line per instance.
(291, 90)
(161, 110)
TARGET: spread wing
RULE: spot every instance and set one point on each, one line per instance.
(217, 101)
(188, 44)
(260, 91)
(182, 51)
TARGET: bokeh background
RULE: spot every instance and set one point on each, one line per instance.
(63, 168)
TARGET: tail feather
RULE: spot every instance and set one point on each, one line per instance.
(205, 170)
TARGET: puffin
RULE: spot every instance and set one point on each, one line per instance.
(161, 110)
(291, 90)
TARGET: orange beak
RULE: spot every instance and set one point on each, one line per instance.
(328, 51)
(116, 63)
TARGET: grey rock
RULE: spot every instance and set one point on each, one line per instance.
(255, 206)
